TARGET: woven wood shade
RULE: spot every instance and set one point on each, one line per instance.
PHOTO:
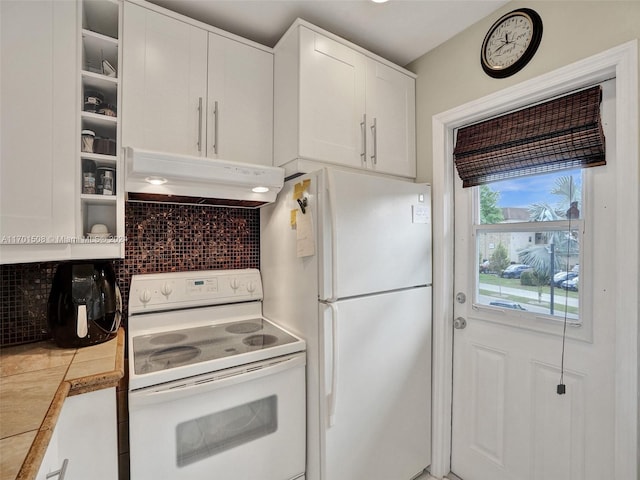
(559, 134)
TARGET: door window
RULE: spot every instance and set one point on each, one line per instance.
(528, 236)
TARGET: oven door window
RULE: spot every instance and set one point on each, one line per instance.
(212, 434)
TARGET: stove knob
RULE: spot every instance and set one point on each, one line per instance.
(251, 287)
(234, 283)
(145, 296)
(166, 290)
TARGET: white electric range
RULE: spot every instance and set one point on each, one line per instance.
(215, 389)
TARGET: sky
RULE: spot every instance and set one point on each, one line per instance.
(522, 192)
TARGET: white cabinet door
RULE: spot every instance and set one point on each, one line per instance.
(338, 105)
(86, 436)
(391, 120)
(51, 461)
(332, 101)
(38, 117)
(240, 102)
(164, 83)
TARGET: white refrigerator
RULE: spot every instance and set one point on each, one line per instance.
(346, 265)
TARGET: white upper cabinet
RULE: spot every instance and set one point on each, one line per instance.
(38, 116)
(391, 113)
(164, 82)
(240, 102)
(190, 90)
(336, 103)
(332, 100)
(49, 60)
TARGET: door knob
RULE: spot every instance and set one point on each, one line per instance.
(460, 323)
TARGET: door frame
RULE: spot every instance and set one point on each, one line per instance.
(620, 62)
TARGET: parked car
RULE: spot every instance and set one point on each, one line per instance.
(570, 284)
(513, 305)
(484, 266)
(560, 277)
(514, 271)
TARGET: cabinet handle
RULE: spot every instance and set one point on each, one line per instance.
(215, 127)
(374, 132)
(60, 473)
(363, 127)
(200, 124)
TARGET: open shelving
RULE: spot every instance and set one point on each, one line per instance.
(99, 69)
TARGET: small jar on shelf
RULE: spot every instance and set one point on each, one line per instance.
(106, 181)
(88, 177)
(88, 138)
(104, 146)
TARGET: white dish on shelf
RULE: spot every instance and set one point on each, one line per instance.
(99, 228)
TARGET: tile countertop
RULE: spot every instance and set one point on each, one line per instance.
(34, 381)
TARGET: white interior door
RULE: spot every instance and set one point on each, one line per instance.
(508, 420)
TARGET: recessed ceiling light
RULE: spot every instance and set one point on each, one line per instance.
(156, 180)
(260, 189)
(379, 1)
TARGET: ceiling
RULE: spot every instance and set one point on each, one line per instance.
(399, 30)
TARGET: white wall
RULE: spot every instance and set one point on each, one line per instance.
(451, 75)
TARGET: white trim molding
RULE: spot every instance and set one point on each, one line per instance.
(621, 63)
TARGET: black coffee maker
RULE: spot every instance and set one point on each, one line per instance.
(85, 306)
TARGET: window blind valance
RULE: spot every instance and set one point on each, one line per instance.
(562, 133)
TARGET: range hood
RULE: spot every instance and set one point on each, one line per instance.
(172, 178)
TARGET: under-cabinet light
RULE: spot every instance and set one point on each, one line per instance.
(260, 189)
(156, 180)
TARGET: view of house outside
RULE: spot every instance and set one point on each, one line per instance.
(528, 244)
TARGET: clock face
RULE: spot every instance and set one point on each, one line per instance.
(511, 43)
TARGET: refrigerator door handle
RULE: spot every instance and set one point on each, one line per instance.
(334, 241)
(363, 128)
(333, 396)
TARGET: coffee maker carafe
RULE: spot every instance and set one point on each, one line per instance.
(85, 306)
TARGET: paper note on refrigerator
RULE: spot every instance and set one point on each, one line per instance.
(305, 245)
(420, 214)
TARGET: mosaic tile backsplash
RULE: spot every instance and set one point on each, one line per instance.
(160, 238)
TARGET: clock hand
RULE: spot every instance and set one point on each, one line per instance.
(496, 50)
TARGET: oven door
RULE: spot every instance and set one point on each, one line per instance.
(242, 423)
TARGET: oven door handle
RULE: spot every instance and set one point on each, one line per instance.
(214, 381)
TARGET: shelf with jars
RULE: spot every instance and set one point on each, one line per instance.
(101, 199)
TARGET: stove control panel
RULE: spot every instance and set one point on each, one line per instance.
(162, 291)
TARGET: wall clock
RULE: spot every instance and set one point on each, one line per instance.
(511, 43)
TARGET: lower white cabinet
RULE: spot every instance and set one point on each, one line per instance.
(86, 437)
(51, 461)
